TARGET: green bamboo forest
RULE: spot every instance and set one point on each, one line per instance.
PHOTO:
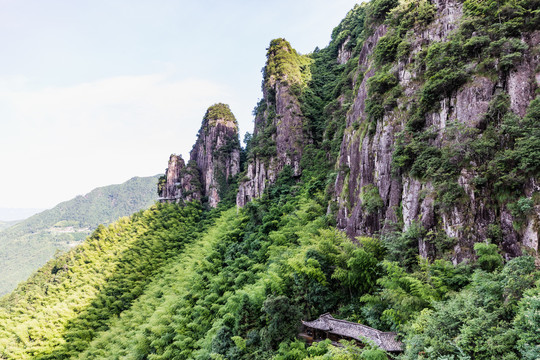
(392, 180)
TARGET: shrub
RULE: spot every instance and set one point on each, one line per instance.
(489, 258)
(381, 82)
(378, 9)
(371, 200)
(386, 49)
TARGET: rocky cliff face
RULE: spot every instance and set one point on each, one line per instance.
(424, 109)
(377, 194)
(169, 186)
(217, 152)
(278, 136)
(214, 161)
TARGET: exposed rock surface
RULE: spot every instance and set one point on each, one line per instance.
(170, 189)
(370, 195)
(278, 122)
(214, 161)
(365, 159)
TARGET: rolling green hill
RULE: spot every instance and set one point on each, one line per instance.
(27, 245)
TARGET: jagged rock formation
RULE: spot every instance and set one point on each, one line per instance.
(375, 193)
(214, 161)
(419, 105)
(169, 186)
(416, 122)
(278, 137)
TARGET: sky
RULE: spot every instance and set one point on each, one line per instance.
(93, 93)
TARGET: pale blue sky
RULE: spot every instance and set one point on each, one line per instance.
(95, 92)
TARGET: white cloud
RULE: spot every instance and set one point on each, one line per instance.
(80, 137)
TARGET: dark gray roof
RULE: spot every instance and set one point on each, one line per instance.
(385, 340)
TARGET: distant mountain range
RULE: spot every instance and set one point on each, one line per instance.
(17, 214)
(26, 245)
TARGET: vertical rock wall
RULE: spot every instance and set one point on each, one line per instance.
(171, 190)
(365, 159)
(278, 123)
(217, 152)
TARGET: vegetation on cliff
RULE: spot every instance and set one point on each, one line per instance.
(219, 111)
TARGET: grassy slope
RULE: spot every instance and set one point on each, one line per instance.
(122, 258)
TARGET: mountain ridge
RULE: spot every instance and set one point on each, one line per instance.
(27, 245)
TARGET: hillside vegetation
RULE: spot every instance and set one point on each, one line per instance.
(179, 283)
(6, 224)
(29, 244)
(348, 142)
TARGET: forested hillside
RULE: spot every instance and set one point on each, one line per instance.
(29, 244)
(392, 179)
(6, 224)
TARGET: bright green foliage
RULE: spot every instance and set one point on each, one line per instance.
(402, 295)
(79, 293)
(285, 64)
(360, 271)
(219, 111)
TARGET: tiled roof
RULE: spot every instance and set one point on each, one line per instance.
(385, 340)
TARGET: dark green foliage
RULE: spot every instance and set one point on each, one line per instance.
(378, 9)
(403, 247)
(222, 343)
(527, 323)
(282, 319)
(505, 16)
(442, 84)
(351, 28)
(383, 90)
(386, 49)
(381, 82)
(477, 322)
(411, 15)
